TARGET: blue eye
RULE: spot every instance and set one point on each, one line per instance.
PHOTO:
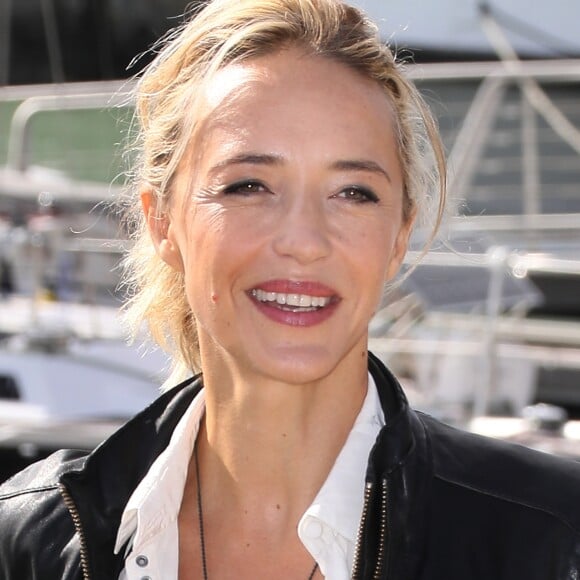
(358, 194)
(245, 187)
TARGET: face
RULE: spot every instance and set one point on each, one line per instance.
(286, 218)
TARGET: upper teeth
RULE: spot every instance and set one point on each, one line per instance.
(302, 300)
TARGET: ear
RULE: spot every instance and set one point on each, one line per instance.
(161, 231)
(400, 247)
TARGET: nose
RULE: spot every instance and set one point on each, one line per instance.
(302, 233)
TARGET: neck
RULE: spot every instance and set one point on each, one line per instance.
(256, 430)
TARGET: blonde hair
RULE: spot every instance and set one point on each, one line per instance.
(228, 31)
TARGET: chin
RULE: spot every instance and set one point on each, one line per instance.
(299, 365)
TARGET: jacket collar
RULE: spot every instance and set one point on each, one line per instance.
(395, 441)
(400, 461)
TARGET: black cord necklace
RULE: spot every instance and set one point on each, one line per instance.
(200, 517)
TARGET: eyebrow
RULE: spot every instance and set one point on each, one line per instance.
(271, 160)
(361, 165)
(248, 158)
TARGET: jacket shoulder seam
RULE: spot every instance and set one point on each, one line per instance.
(511, 499)
(27, 491)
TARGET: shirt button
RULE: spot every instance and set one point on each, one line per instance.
(142, 561)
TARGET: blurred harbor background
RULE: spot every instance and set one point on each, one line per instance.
(485, 333)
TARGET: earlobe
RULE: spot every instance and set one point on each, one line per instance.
(161, 231)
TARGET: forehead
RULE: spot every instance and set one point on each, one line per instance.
(290, 79)
(307, 109)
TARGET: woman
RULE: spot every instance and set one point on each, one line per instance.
(284, 161)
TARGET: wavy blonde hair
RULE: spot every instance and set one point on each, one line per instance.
(231, 31)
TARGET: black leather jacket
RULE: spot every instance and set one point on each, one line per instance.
(440, 504)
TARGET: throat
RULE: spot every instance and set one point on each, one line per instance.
(218, 536)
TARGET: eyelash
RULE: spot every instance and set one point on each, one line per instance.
(363, 195)
(355, 193)
(245, 187)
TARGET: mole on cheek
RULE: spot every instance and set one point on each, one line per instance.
(214, 298)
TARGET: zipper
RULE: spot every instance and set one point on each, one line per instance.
(383, 530)
(358, 548)
(382, 554)
(72, 508)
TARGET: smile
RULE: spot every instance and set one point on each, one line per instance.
(290, 301)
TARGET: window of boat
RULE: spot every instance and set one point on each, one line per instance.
(8, 387)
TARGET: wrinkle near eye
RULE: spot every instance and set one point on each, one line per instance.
(205, 194)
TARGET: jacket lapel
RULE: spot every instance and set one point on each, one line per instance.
(102, 488)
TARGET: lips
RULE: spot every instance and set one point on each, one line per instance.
(291, 299)
(303, 303)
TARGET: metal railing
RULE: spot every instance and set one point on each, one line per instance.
(490, 82)
(517, 99)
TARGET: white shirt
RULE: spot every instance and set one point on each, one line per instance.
(328, 529)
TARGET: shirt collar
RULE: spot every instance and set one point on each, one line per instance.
(157, 499)
(338, 505)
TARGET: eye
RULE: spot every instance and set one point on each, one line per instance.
(245, 187)
(357, 194)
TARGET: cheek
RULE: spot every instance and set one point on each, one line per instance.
(382, 259)
(203, 230)
(373, 244)
(218, 245)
